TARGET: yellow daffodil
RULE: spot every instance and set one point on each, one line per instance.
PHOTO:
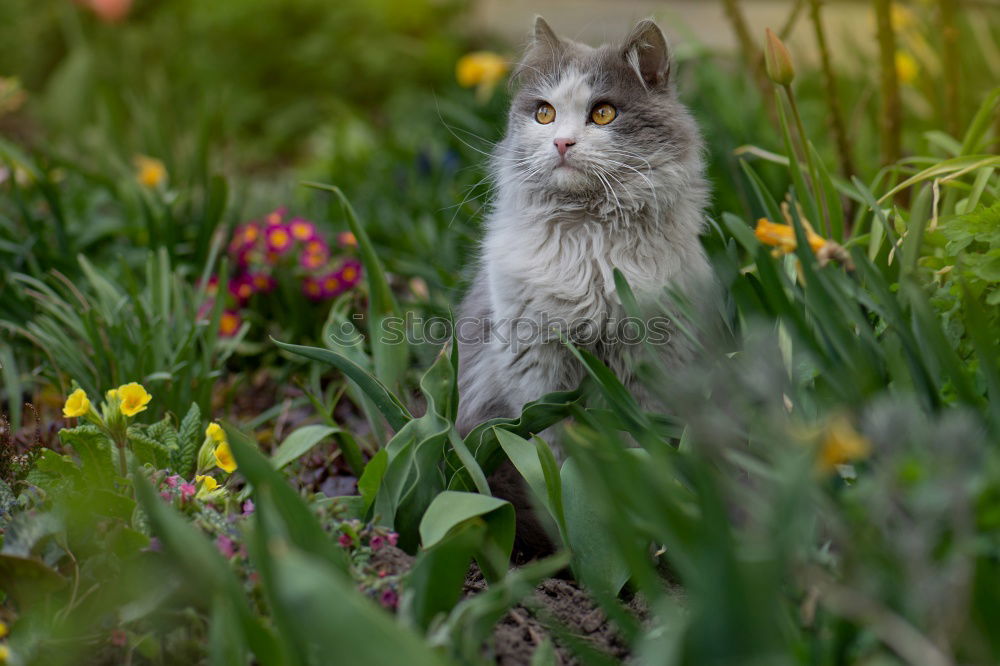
(906, 68)
(134, 398)
(150, 171)
(77, 404)
(841, 444)
(224, 458)
(206, 482)
(480, 68)
(782, 236)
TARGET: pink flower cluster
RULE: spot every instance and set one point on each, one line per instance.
(175, 487)
(279, 246)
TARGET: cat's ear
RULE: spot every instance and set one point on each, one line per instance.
(541, 55)
(545, 37)
(646, 52)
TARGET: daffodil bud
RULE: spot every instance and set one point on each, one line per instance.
(777, 60)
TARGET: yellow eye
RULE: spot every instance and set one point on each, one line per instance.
(545, 113)
(603, 114)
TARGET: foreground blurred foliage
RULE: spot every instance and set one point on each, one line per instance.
(823, 487)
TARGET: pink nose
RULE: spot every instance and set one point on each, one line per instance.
(562, 145)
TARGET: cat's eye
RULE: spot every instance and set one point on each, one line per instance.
(545, 113)
(603, 114)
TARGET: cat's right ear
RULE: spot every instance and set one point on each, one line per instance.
(545, 37)
(542, 54)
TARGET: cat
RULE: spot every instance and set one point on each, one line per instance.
(601, 167)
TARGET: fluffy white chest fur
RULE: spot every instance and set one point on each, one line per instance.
(560, 264)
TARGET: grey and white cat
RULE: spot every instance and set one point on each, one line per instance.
(601, 168)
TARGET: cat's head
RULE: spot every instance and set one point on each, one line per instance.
(598, 122)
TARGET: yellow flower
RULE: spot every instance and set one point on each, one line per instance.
(4, 654)
(150, 171)
(224, 458)
(207, 482)
(134, 398)
(901, 17)
(77, 404)
(480, 68)
(782, 236)
(3, 629)
(906, 68)
(841, 444)
(215, 433)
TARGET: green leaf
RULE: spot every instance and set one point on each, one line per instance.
(28, 580)
(596, 557)
(390, 406)
(190, 438)
(523, 455)
(300, 442)
(304, 529)
(451, 509)
(147, 450)
(436, 578)
(535, 417)
(371, 479)
(325, 612)
(742, 232)
(390, 354)
(205, 572)
(225, 640)
(94, 450)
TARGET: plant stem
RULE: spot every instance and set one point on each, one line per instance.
(891, 118)
(949, 35)
(122, 463)
(792, 19)
(832, 99)
(752, 54)
(810, 163)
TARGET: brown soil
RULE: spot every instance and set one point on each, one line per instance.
(561, 602)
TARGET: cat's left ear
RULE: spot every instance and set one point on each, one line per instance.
(646, 52)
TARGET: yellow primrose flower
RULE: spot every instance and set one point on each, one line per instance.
(480, 68)
(906, 68)
(134, 398)
(215, 433)
(224, 458)
(77, 404)
(207, 482)
(782, 236)
(841, 444)
(150, 171)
